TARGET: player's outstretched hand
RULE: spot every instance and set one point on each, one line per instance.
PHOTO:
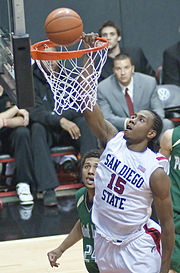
(89, 39)
(53, 256)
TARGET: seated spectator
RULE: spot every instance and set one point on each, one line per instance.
(125, 84)
(16, 140)
(171, 65)
(49, 129)
(112, 33)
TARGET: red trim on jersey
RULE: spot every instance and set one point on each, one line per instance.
(161, 157)
(155, 234)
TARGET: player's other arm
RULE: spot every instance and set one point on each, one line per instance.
(74, 236)
(166, 143)
(160, 185)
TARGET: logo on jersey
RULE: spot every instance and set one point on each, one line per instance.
(124, 171)
(122, 175)
(141, 168)
(176, 163)
(113, 200)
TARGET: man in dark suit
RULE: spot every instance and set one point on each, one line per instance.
(140, 89)
(112, 33)
(171, 65)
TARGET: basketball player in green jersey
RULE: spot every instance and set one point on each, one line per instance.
(84, 228)
(170, 147)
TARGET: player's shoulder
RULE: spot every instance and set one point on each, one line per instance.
(159, 177)
(160, 157)
(151, 158)
(80, 193)
(163, 162)
(167, 136)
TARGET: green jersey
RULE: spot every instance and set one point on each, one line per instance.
(175, 193)
(88, 230)
(175, 169)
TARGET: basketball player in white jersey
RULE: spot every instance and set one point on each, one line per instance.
(127, 180)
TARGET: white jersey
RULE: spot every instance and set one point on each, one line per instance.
(122, 189)
(163, 161)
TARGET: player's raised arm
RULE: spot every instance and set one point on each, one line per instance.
(102, 129)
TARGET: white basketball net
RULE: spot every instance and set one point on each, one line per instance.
(74, 85)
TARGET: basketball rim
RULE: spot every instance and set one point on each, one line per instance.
(38, 50)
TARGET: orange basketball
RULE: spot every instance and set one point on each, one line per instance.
(63, 26)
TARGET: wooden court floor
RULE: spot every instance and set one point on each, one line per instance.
(30, 256)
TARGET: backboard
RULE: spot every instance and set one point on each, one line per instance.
(15, 58)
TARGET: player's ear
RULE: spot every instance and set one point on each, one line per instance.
(151, 134)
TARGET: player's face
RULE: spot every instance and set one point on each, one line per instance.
(139, 127)
(123, 70)
(111, 35)
(88, 171)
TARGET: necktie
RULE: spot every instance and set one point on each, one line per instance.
(129, 103)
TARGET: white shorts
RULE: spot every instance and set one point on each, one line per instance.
(137, 256)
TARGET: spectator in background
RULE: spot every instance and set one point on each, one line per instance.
(170, 147)
(171, 65)
(48, 130)
(15, 139)
(112, 33)
(123, 85)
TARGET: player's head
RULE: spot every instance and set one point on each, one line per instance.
(89, 164)
(123, 68)
(144, 128)
(110, 32)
